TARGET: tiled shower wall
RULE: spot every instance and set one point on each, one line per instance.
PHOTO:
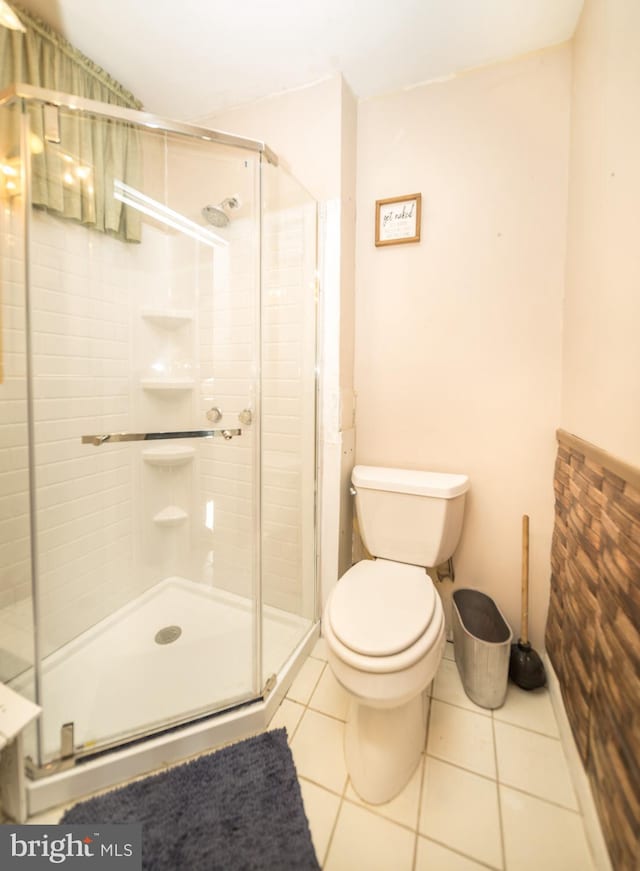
(14, 481)
(593, 630)
(81, 333)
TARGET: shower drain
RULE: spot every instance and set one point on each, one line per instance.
(168, 634)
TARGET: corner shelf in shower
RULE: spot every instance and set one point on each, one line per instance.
(167, 384)
(172, 515)
(169, 455)
(168, 318)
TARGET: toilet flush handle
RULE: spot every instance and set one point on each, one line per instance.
(352, 490)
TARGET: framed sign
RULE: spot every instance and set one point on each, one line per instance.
(398, 220)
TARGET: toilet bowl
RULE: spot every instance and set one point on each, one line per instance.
(384, 624)
(385, 660)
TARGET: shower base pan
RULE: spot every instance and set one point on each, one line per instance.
(172, 655)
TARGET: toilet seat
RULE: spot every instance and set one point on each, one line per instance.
(411, 650)
(380, 608)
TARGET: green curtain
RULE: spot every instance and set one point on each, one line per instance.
(74, 179)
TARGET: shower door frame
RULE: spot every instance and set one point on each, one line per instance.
(60, 100)
(25, 94)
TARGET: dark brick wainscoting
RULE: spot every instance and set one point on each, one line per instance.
(593, 630)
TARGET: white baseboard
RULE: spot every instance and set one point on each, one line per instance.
(593, 829)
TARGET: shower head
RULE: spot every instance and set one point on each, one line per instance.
(216, 215)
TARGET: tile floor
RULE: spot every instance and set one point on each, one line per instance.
(492, 789)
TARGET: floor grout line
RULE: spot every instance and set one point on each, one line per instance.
(297, 725)
(461, 767)
(491, 714)
(500, 820)
(325, 714)
(371, 808)
(335, 822)
(480, 713)
(321, 785)
(459, 852)
(502, 783)
(315, 686)
(524, 728)
(562, 807)
(422, 777)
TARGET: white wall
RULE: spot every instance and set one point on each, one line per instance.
(458, 337)
(601, 361)
(302, 127)
(348, 170)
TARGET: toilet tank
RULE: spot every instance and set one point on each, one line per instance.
(409, 516)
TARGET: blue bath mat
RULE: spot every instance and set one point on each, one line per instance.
(239, 809)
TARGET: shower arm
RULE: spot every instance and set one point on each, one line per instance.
(103, 438)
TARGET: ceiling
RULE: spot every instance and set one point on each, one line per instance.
(188, 58)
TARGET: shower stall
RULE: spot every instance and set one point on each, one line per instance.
(157, 425)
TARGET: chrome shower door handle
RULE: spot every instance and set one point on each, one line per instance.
(102, 438)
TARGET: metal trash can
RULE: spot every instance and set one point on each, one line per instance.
(482, 646)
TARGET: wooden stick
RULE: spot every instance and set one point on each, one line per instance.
(524, 629)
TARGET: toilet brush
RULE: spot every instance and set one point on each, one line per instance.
(525, 666)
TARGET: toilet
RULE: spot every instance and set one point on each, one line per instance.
(384, 624)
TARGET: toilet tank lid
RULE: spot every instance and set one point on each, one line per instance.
(419, 483)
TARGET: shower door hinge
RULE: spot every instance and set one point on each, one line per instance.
(37, 772)
(270, 683)
(67, 757)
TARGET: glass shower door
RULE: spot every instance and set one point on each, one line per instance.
(288, 413)
(144, 354)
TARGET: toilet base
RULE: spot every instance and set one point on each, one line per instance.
(382, 746)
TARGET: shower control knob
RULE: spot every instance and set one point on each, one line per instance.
(214, 414)
(245, 416)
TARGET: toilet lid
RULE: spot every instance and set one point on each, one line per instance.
(380, 607)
